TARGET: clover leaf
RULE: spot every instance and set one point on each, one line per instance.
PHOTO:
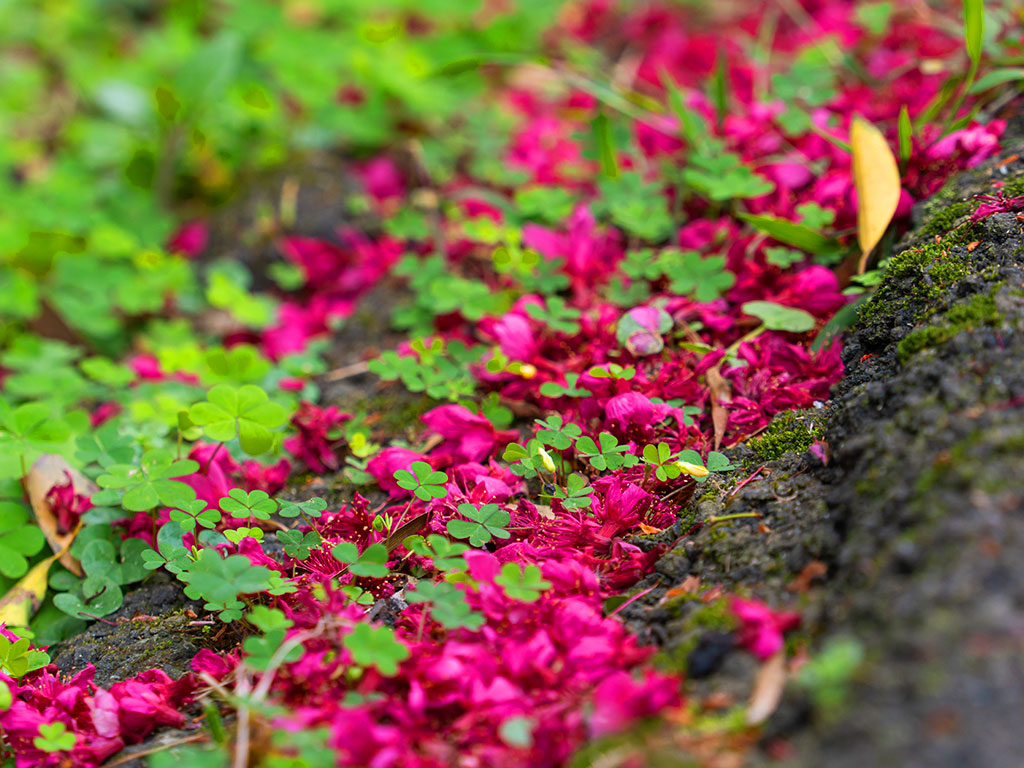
(777, 317)
(448, 605)
(372, 646)
(606, 453)
(523, 584)
(446, 555)
(20, 538)
(260, 651)
(188, 516)
(54, 737)
(239, 503)
(372, 562)
(576, 493)
(17, 658)
(485, 523)
(569, 389)
(298, 545)
(693, 275)
(221, 580)
(556, 433)
(423, 481)
(246, 413)
(150, 483)
(29, 428)
(98, 595)
(311, 508)
(663, 460)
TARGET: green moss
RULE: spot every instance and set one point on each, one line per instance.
(1014, 188)
(945, 218)
(980, 310)
(788, 432)
(934, 267)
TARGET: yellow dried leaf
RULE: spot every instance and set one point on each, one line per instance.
(22, 600)
(877, 179)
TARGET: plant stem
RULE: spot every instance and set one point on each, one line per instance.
(212, 457)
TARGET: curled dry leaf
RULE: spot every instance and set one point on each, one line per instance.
(721, 393)
(48, 471)
(768, 687)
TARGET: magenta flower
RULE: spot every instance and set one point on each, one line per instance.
(467, 436)
(762, 629)
(384, 465)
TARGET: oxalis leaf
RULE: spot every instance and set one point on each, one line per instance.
(877, 179)
(246, 413)
(779, 318)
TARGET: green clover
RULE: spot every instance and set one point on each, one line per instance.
(235, 535)
(523, 584)
(311, 508)
(296, 545)
(662, 459)
(446, 555)
(54, 737)
(691, 274)
(556, 433)
(246, 413)
(372, 562)
(606, 453)
(576, 493)
(485, 523)
(17, 658)
(150, 483)
(188, 516)
(239, 503)
(372, 646)
(221, 580)
(423, 481)
(569, 389)
(20, 538)
(30, 428)
(97, 595)
(448, 605)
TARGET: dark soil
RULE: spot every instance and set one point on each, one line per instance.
(152, 629)
(910, 540)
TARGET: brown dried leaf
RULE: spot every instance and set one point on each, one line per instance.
(768, 687)
(48, 471)
(721, 394)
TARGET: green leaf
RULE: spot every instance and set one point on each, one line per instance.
(377, 647)
(98, 595)
(246, 413)
(779, 318)
(20, 539)
(149, 484)
(310, 508)
(239, 503)
(372, 562)
(221, 580)
(522, 583)
(423, 481)
(485, 523)
(974, 29)
(449, 607)
(997, 77)
(905, 133)
(54, 737)
(790, 233)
